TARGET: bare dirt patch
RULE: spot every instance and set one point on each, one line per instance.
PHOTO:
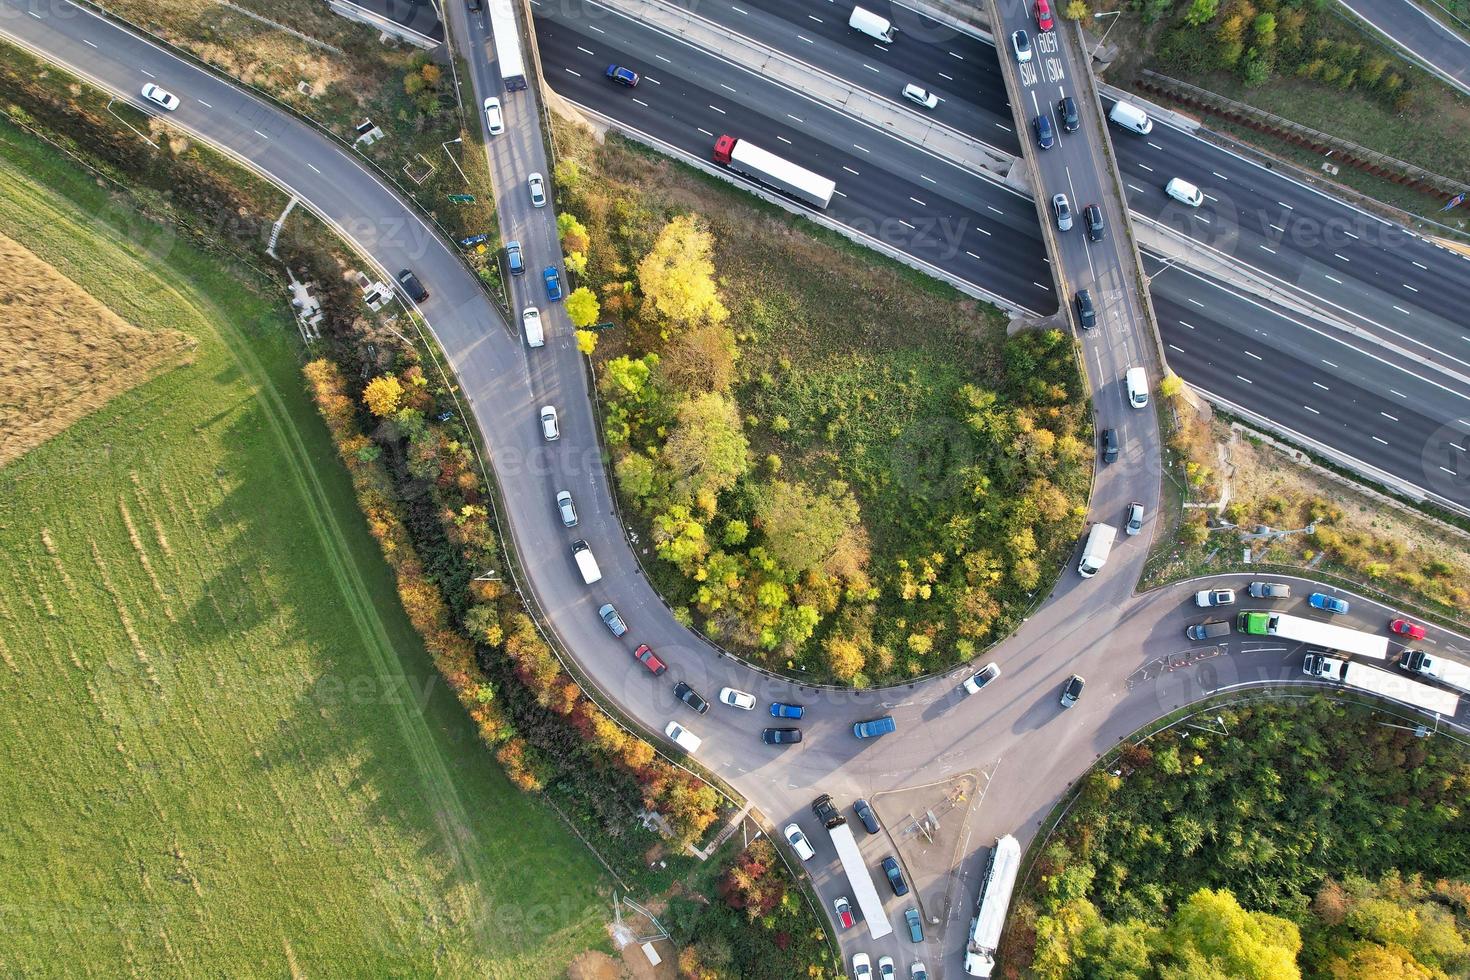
(63, 355)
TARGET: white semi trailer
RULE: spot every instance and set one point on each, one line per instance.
(744, 157)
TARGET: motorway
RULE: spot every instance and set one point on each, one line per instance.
(1421, 35)
(1021, 745)
(1397, 400)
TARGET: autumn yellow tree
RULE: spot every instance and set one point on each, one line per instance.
(678, 274)
(382, 395)
(582, 307)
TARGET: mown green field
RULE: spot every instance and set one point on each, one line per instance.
(224, 752)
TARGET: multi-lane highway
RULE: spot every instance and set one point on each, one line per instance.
(1408, 399)
(1022, 746)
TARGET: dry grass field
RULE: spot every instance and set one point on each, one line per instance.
(64, 355)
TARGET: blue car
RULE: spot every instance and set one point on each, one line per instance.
(1327, 603)
(780, 709)
(553, 282)
(874, 727)
(916, 925)
(621, 75)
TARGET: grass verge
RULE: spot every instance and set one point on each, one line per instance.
(228, 752)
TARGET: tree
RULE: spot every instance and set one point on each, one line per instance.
(803, 528)
(844, 657)
(701, 358)
(574, 237)
(1201, 12)
(1211, 935)
(1077, 10)
(582, 307)
(678, 274)
(575, 262)
(1170, 386)
(706, 451)
(382, 394)
(586, 342)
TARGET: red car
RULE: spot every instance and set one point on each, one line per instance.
(1405, 628)
(844, 912)
(647, 658)
(1043, 16)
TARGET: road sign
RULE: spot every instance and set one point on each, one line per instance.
(462, 198)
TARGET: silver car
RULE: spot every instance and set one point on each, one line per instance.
(1135, 518)
(1269, 590)
(568, 512)
(1063, 211)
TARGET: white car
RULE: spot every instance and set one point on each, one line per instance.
(862, 967)
(683, 737)
(549, 427)
(885, 968)
(977, 681)
(531, 322)
(798, 842)
(737, 699)
(537, 183)
(1206, 598)
(493, 118)
(160, 97)
(564, 505)
(920, 96)
(918, 971)
(1021, 44)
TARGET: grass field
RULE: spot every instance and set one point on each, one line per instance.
(224, 750)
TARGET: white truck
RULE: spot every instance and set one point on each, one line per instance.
(990, 910)
(852, 863)
(1450, 673)
(586, 563)
(1095, 551)
(746, 158)
(1382, 683)
(1263, 622)
(507, 45)
(876, 27)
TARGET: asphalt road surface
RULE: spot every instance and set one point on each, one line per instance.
(1024, 747)
(1418, 32)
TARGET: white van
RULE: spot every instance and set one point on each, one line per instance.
(1137, 383)
(586, 564)
(1095, 551)
(1184, 192)
(878, 28)
(1131, 118)
(531, 321)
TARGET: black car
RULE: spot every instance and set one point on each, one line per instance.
(865, 814)
(1067, 113)
(781, 736)
(412, 287)
(1093, 219)
(690, 697)
(1210, 629)
(1086, 312)
(826, 811)
(895, 875)
(1110, 445)
(1044, 136)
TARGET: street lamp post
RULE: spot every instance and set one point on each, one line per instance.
(1099, 16)
(445, 145)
